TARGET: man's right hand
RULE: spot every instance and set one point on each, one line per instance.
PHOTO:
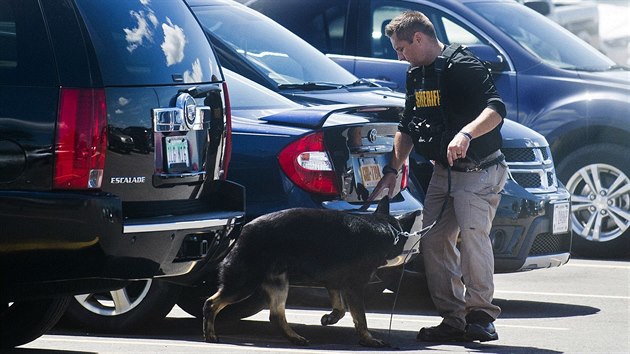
(388, 181)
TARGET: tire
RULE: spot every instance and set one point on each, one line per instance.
(127, 309)
(24, 321)
(600, 214)
(191, 300)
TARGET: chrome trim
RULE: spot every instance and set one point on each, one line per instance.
(371, 148)
(372, 135)
(547, 261)
(200, 113)
(185, 117)
(172, 226)
(181, 175)
(168, 119)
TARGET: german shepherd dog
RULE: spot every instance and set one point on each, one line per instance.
(337, 249)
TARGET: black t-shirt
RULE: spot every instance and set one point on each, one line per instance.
(468, 90)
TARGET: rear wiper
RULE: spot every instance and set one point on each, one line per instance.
(311, 86)
(200, 90)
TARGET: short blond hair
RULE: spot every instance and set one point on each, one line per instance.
(408, 23)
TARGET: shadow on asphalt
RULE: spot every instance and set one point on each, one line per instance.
(421, 304)
(261, 334)
(250, 333)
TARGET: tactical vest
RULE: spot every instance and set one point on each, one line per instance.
(430, 127)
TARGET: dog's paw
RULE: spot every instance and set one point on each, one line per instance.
(211, 338)
(299, 340)
(329, 319)
(373, 343)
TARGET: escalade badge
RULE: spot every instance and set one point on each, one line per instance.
(127, 180)
(372, 135)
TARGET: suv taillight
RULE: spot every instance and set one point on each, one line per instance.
(227, 153)
(306, 163)
(81, 139)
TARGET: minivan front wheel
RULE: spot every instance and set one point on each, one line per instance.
(124, 309)
(598, 178)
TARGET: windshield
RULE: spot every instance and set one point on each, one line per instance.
(542, 37)
(278, 53)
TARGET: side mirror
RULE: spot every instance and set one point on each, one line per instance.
(490, 56)
(542, 7)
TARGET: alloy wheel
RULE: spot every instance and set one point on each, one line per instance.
(600, 202)
(115, 302)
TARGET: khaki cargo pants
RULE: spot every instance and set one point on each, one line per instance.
(471, 207)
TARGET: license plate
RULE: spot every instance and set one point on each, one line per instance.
(560, 218)
(370, 173)
(177, 153)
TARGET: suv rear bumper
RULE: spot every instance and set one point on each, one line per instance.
(78, 242)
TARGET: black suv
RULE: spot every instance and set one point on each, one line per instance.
(114, 147)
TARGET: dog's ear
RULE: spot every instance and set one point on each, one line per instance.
(383, 206)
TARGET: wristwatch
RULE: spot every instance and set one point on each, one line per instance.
(389, 169)
(466, 134)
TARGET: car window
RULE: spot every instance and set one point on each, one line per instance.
(332, 24)
(25, 53)
(279, 54)
(323, 22)
(542, 37)
(448, 29)
(456, 33)
(381, 15)
(156, 42)
(325, 25)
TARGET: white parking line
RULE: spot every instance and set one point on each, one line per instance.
(592, 265)
(164, 344)
(562, 294)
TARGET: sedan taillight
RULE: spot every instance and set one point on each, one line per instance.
(81, 139)
(306, 163)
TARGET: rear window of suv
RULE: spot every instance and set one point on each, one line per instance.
(155, 42)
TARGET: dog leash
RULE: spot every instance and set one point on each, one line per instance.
(420, 233)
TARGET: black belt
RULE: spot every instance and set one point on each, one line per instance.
(469, 166)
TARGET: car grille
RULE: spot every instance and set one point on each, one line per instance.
(547, 243)
(532, 168)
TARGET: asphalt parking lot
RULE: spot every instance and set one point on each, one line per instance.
(582, 307)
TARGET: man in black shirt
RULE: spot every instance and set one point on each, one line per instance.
(453, 115)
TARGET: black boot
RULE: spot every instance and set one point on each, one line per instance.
(441, 333)
(480, 327)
